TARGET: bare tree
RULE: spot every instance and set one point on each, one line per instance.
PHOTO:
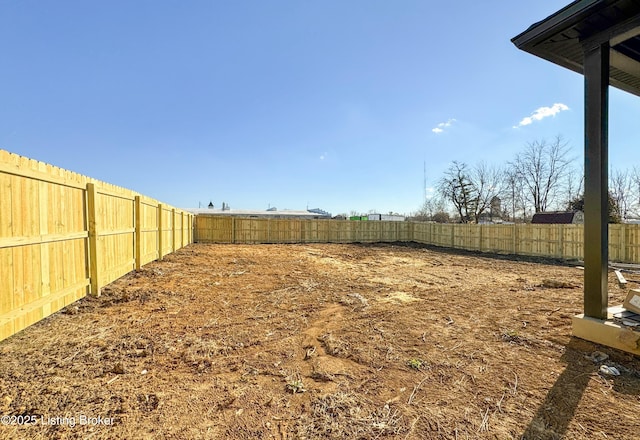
(635, 178)
(540, 167)
(470, 190)
(429, 208)
(574, 185)
(441, 217)
(456, 188)
(486, 183)
(621, 189)
(512, 192)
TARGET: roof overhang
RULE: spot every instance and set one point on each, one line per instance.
(563, 37)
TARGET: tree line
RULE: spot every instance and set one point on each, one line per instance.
(542, 177)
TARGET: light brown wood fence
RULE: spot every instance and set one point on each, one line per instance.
(555, 241)
(223, 229)
(64, 235)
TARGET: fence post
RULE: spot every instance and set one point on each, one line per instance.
(93, 240)
(190, 230)
(181, 229)
(173, 229)
(160, 239)
(233, 230)
(269, 230)
(453, 236)
(561, 241)
(138, 233)
(623, 242)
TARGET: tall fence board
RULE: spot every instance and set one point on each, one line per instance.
(555, 241)
(64, 235)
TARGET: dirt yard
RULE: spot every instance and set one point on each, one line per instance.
(321, 341)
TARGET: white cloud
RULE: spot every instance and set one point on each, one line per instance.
(541, 113)
(441, 126)
(323, 156)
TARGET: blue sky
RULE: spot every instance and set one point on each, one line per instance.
(329, 104)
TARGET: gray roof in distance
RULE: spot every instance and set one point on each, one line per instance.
(256, 213)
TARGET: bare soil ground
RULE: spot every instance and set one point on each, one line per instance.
(321, 341)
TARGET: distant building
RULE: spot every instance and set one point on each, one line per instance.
(319, 211)
(558, 217)
(270, 213)
(386, 217)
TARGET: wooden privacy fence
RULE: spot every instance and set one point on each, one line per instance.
(223, 229)
(64, 235)
(555, 241)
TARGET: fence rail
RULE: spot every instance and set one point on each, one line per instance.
(64, 235)
(555, 241)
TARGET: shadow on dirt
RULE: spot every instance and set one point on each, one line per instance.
(554, 415)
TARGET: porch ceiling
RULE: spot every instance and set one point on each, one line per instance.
(562, 37)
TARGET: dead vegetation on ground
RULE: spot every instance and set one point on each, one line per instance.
(322, 341)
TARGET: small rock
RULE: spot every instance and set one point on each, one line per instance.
(118, 369)
(72, 310)
(598, 356)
